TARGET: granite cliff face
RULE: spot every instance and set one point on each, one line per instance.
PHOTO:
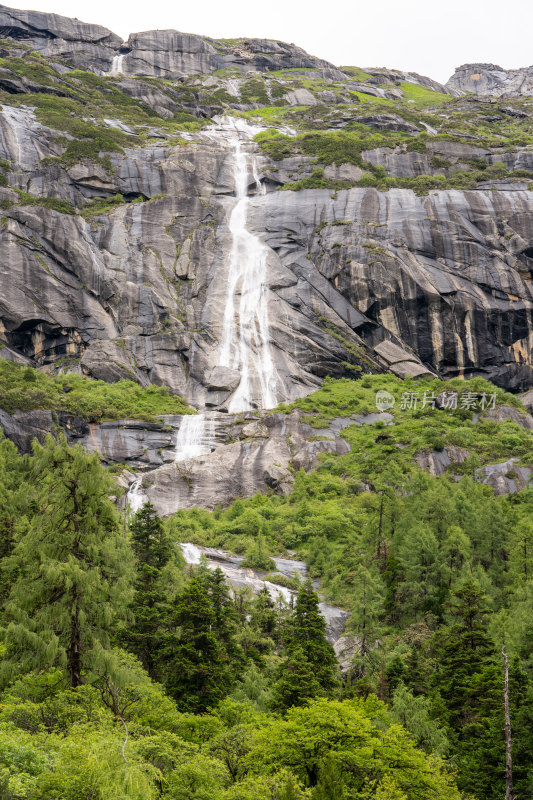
(141, 291)
(490, 79)
(153, 228)
(167, 54)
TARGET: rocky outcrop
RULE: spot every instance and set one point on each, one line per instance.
(437, 462)
(490, 79)
(527, 399)
(167, 54)
(257, 456)
(78, 43)
(171, 54)
(380, 77)
(507, 477)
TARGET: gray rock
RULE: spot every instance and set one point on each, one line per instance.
(301, 97)
(25, 426)
(388, 122)
(346, 648)
(503, 413)
(82, 45)
(506, 477)
(490, 79)
(222, 378)
(436, 462)
(527, 399)
(343, 172)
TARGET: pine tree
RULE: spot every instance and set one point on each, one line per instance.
(197, 665)
(74, 568)
(155, 585)
(309, 668)
(307, 631)
(297, 681)
(468, 679)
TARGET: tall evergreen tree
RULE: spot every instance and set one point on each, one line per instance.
(469, 680)
(307, 630)
(197, 663)
(155, 585)
(74, 568)
(310, 665)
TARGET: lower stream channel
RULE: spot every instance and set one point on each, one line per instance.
(239, 578)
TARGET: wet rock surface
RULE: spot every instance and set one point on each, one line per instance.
(245, 456)
(257, 580)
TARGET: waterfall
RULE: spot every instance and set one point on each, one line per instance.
(196, 437)
(136, 497)
(245, 343)
(116, 65)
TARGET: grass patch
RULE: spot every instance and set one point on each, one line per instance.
(27, 389)
(422, 96)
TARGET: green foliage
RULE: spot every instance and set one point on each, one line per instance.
(73, 568)
(348, 734)
(422, 96)
(257, 556)
(52, 203)
(102, 205)
(156, 584)
(24, 388)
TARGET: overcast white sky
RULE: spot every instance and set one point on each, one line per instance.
(431, 37)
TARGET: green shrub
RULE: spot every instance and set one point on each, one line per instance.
(26, 389)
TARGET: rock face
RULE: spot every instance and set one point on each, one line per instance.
(167, 54)
(505, 478)
(346, 281)
(490, 79)
(83, 45)
(171, 54)
(261, 455)
(140, 292)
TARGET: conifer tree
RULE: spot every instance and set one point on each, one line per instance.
(310, 665)
(155, 585)
(468, 679)
(307, 631)
(296, 682)
(197, 664)
(74, 568)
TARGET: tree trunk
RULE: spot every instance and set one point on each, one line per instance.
(74, 651)
(508, 738)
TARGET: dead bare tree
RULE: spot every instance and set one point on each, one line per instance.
(508, 732)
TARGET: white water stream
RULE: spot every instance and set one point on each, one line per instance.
(255, 580)
(136, 497)
(245, 341)
(196, 437)
(116, 65)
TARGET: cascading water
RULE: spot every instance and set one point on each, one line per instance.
(196, 437)
(256, 580)
(116, 65)
(136, 497)
(245, 343)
